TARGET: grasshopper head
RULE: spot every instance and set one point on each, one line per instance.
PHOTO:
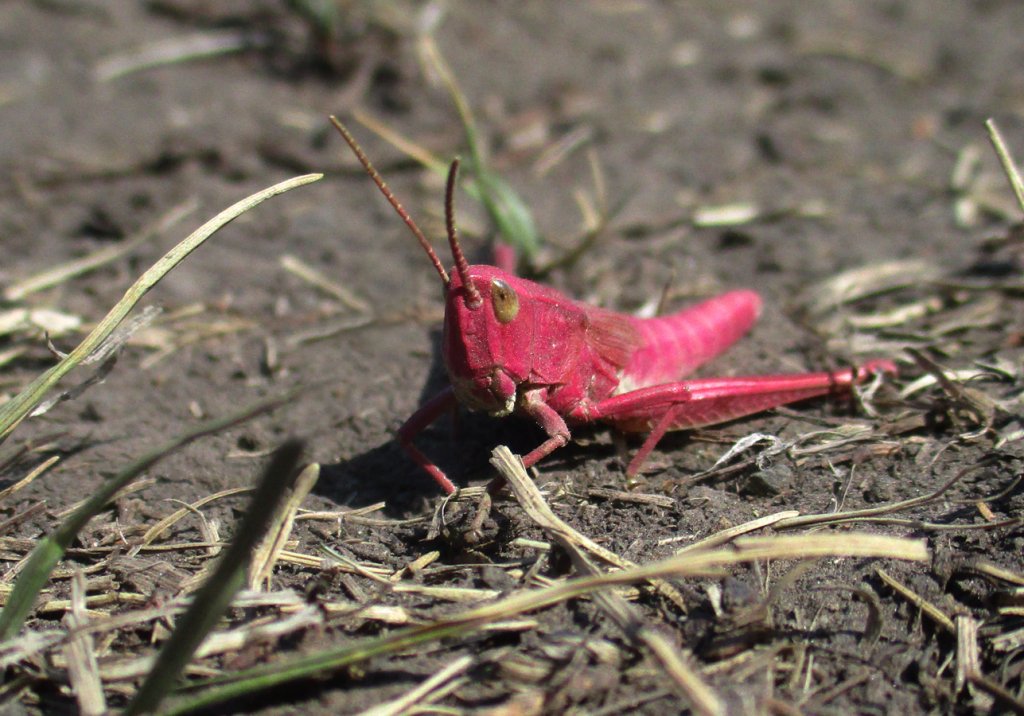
(487, 338)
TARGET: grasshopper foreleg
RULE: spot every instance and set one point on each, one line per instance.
(550, 421)
(430, 411)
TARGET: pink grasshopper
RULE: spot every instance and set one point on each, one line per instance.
(515, 346)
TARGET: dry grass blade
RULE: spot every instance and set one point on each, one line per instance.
(636, 498)
(214, 597)
(44, 557)
(737, 214)
(373, 573)
(533, 503)
(132, 486)
(309, 274)
(400, 142)
(29, 478)
(731, 533)
(1009, 166)
(230, 641)
(287, 601)
(688, 684)
(60, 274)
(683, 676)
(28, 645)
(595, 219)
(557, 153)
(122, 334)
(968, 666)
(357, 516)
(417, 695)
(15, 410)
(968, 658)
(448, 594)
(1008, 699)
(6, 356)
(995, 571)
(926, 607)
(83, 669)
(160, 527)
(929, 379)
(865, 281)
(969, 403)
(1010, 641)
(871, 513)
(95, 378)
(470, 622)
(269, 550)
(809, 546)
(174, 50)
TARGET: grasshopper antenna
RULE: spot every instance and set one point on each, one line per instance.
(389, 195)
(473, 299)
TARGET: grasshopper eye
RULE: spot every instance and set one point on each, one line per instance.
(504, 300)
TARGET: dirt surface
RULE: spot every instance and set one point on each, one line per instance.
(853, 132)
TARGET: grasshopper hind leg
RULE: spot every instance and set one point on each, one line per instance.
(697, 403)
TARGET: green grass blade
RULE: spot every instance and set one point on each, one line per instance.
(511, 217)
(213, 598)
(52, 548)
(17, 408)
(266, 677)
(509, 212)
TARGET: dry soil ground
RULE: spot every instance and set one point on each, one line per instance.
(849, 137)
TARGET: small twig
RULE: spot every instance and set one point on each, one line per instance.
(926, 607)
(871, 512)
(408, 700)
(309, 274)
(27, 480)
(637, 498)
